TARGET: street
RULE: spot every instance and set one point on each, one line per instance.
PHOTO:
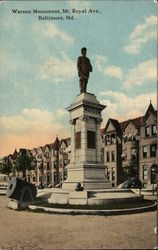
(27, 230)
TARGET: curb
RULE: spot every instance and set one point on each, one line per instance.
(93, 212)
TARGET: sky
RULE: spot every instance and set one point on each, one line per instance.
(38, 65)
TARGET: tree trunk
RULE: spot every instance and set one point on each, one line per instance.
(24, 174)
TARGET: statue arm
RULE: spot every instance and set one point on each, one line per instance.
(90, 68)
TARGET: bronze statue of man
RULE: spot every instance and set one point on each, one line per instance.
(84, 68)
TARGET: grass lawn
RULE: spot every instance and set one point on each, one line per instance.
(99, 207)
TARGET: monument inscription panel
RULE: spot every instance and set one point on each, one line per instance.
(78, 140)
(91, 139)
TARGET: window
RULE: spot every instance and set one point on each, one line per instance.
(55, 164)
(145, 152)
(41, 165)
(65, 162)
(125, 138)
(34, 162)
(55, 178)
(133, 153)
(153, 171)
(107, 156)
(61, 151)
(144, 172)
(46, 154)
(153, 129)
(147, 131)
(108, 174)
(113, 174)
(65, 175)
(48, 178)
(34, 178)
(55, 152)
(124, 154)
(112, 156)
(112, 138)
(153, 148)
(107, 139)
(91, 139)
(144, 185)
(78, 140)
(48, 165)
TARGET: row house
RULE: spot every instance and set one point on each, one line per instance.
(148, 146)
(51, 161)
(111, 151)
(64, 158)
(46, 171)
(132, 142)
(48, 165)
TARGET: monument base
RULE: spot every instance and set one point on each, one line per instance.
(94, 197)
(90, 176)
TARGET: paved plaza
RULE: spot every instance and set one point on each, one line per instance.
(27, 230)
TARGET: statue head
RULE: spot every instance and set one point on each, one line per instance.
(83, 51)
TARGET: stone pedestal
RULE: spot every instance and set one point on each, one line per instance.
(91, 177)
(86, 167)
